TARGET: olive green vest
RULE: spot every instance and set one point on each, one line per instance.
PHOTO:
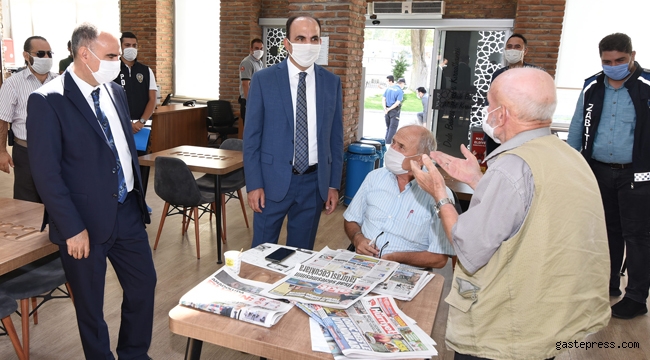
(550, 281)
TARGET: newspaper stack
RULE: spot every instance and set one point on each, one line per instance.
(405, 283)
(226, 294)
(333, 278)
(373, 328)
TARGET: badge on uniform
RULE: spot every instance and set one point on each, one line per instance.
(242, 69)
(140, 77)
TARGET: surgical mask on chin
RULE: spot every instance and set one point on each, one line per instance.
(258, 54)
(617, 72)
(514, 56)
(305, 54)
(129, 54)
(107, 72)
(393, 161)
(42, 65)
(487, 128)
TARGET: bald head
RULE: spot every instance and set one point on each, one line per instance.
(420, 137)
(527, 93)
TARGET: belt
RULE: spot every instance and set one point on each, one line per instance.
(615, 166)
(20, 142)
(309, 170)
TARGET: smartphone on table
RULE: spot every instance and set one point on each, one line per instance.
(279, 255)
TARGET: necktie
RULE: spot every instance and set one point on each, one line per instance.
(103, 122)
(301, 162)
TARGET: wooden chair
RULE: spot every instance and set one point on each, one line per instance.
(7, 307)
(175, 184)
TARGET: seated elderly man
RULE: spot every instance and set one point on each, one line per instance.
(392, 208)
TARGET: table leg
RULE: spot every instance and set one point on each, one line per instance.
(193, 349)
(217, 199)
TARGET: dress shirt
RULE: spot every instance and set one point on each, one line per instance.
(407, 218)
(106, 103)
(615, 132)
(310, 83)
(499, 205)
(13, 99)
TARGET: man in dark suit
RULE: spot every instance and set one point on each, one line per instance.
(293, 140)
(85, 168)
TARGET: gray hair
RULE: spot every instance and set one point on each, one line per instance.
(531, 109)
(426, 142)
(83, 35)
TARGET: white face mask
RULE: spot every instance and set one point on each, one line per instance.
(107, 72)
(514, 56)
(42, 65)
(258, 54)
(129, 54)
(489, 130)
(393, 161)
(305, 54)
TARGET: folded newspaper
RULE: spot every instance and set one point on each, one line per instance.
(373, 328)
(333, 278)
(227, 294)
(405, 283)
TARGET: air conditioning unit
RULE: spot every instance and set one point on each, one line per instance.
(406, 7)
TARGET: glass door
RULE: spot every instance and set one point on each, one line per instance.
(466, 61)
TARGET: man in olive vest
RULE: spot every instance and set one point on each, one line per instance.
(533, 260)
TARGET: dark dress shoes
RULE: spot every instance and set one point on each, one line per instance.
(628, 309)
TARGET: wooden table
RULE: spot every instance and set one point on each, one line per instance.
(206, 160)
(175, 125)
(289, 339)
(21, 241)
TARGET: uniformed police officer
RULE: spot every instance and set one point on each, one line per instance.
(250, 64)
(139, 83)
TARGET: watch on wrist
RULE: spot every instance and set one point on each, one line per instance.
(143, 121)
(441, 203)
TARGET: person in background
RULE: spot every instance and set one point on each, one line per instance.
(533, 263)
(391, 207)
(13, 110)
(422, 95)
(293, 147)
(86, 170)
(248, 66)
(516, 49)
(610, 128)
(392, 104)
(139, 83)
(63, 64)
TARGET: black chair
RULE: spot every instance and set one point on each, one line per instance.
(230, 184)
(40, 279)
(175, 184)
(220, 121)
(7, 307)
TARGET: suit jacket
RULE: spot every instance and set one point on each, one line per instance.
(71, 163)
(269, 131)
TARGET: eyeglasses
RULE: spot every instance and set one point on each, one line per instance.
(42, 53)
(485, 113)
(382, 248)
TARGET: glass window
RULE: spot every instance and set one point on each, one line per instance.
(196, 54)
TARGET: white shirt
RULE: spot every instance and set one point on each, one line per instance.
(13, 99)
(310, 82)
(106, 103)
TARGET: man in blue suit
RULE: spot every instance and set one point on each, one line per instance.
(85, 168)
(293, 140)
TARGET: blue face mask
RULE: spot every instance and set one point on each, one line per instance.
(618, 72)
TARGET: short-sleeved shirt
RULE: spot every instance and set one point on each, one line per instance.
(407, 218)
(247, 68)
(13, 99)
(393, 94)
